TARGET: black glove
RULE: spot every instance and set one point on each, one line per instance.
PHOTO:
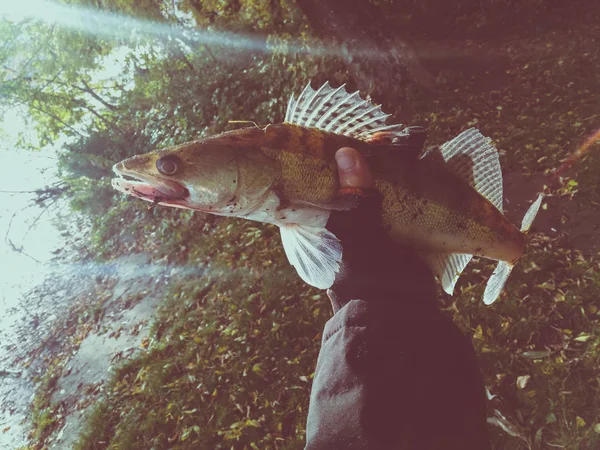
(374, 267)
(393, 371)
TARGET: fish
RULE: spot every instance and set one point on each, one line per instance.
(445, 202)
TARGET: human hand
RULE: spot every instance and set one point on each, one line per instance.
(353, 170)
(374, 267)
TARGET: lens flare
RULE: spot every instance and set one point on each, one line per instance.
(127, 28)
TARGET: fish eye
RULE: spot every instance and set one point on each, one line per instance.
(168, 165)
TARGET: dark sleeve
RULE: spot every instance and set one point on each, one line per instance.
(387, 380)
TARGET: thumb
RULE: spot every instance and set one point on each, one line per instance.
(353, 171)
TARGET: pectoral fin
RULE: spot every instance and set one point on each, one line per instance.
(315, 253)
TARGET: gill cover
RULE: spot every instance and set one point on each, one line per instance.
(209, 172)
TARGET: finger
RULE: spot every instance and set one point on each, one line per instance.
(353, 171)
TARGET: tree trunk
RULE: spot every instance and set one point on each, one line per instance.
(374, 51)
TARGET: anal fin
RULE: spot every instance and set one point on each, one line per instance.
(447, 267)
(315, 253)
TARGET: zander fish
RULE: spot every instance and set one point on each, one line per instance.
(446, 203)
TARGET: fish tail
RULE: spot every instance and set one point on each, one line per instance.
(498, 279)
(496, 282)
(530, 214)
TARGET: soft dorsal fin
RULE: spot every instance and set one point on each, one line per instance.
(472, 157)
(337, 111)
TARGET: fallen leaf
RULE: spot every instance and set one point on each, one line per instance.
(583, 337)
(536, 354)
(522, 381)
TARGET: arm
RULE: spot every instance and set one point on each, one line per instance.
(393, 373)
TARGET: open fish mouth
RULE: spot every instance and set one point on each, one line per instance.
(152, 189)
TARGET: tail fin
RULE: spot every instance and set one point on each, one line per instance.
(496, 282)
(530, 214)
(503, 269)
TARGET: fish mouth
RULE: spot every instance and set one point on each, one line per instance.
(149, 188)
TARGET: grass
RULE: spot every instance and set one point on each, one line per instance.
(44, 410)
(544, 332)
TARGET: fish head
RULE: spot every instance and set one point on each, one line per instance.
(211, 176)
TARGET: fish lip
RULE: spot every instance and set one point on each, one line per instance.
(118, 168)
(155, 189)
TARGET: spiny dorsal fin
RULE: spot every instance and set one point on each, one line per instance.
(471, 157)
(337, 111)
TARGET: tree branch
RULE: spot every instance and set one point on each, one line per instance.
(102, 118)
(11, 244)
(210, 53)
(90, 91)
(179, 54)
(18, 192)
(36, 220)
(53, 116)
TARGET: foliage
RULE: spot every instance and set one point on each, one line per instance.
(44, 411)
(230, 358)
